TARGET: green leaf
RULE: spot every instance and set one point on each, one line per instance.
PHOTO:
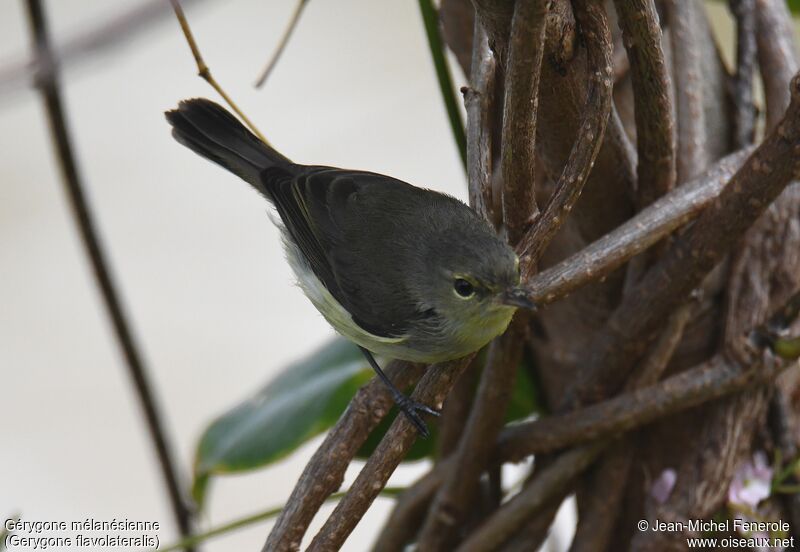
(303, 401)
(525, 400)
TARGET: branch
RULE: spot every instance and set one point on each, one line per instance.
(602, 497)
(84, 219)
(409, 513)
(649, 226)
(479, 99)
(687, 73)
(512, 515)
(444, 77)
(597, 37)
(205, 73)
(713, 379)
(432, 389)
(458, 491)
(668, 283)
(324, 473)
(642, 38)
(777, 55)
(520, 107)
(100, 40)
(745, 116)
(287, 35)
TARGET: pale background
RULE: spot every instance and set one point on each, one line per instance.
(197, 259)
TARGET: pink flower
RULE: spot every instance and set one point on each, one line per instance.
(751, 483)
(662, 487)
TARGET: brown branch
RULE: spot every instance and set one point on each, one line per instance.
(100, 40)
(668, 283)
(777, 55)
(744, 103)
(512, 515)
(324, 473)
(692, 154)
(459, 489)
(601, 501)
(432, 389)
(479, 99)
(520, 107)
(495, 17)
(287, 35)
(84, 219)
(711, 380)
(660, 219)
(642, 38)
(205, 73)
(409, 513)
(597, 37)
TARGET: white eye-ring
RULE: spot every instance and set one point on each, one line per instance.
(463, 288)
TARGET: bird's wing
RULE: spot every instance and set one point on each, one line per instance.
(343, 227)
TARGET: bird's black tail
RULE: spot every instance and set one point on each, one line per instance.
(211, 131)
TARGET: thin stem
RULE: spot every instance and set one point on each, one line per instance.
(687, 72)
(325, 471)
(99, 40)
(432, 389)
(443, 76)
(652, 102)
(389, 492)
(510, 517)
(287, 34)
(520, 108)
(459, 490)
(594, 28)
(745, 116)
(479, 99)
(84, 219)
(205, 73)
(649, 226)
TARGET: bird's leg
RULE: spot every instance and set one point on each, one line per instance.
(408, 406)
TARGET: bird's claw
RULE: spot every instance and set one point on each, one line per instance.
(411, 408)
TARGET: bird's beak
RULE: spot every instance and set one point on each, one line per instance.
(517, 297)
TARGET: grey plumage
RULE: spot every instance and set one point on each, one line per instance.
(386, 251)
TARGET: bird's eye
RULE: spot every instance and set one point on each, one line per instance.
(463, 288)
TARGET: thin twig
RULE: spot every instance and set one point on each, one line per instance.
(479, 99)
(713, 379)
(100, 40)
(777, 55)
(520, 108)
(84, 219)
(325, 471)
(409, 513)
(390, 492)
(597, 37)
(459, 490)
(669, 282)
(432, 389)
(522, 507)
(687, 74)
(444, 77)
(600, 505)
(745, 116)
(649, 226)
(642, 38)
(287, 34)
(205, 73)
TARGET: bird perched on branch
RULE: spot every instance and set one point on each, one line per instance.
(401, 271)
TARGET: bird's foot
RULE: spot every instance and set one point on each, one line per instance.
(411, 409)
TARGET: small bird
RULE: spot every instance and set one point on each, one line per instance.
(403, 272)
